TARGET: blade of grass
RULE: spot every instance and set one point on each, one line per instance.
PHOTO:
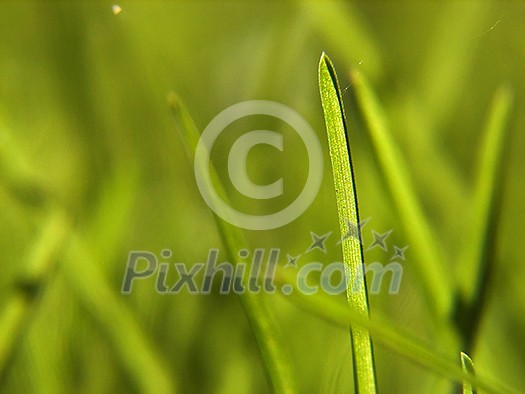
(129, 340)
(426, 150)
(476, 260)
(388, 334)
(385, 333)
(142, 364)
(90, 286)
(347, 208)
(468, 367)
(487, 189)
(17, 175)
(429, 258)
(262, 321)
(23, 300)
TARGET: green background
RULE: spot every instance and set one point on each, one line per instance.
(85, 129)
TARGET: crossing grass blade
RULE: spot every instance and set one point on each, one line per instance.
(468, 367)
(389, 335)
(262, 321)
(429, 258)
(363, 358)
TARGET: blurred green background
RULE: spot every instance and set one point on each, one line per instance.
(92, 167)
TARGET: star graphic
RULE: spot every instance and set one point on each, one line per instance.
(379, 240)
(292, 261)
(399, 252)
(353, 230)
(318, 242)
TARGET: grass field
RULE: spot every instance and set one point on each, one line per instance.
(100, 113)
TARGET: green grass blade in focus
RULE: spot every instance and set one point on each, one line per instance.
(429, 258)
(262, 321)
(468, 367)
(363, 358)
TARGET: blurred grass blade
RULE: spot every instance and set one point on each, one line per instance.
(264, 326)
(485, 201)
(345, 189)
(468, 367)
(17, 175)
(20, 303)
(429, 258)
(477, 258)
(425, 149)
(129, 340)
(395, 339)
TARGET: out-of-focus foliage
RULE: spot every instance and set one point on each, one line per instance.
(92, 167)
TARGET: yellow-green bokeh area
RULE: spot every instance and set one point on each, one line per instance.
(92, 166)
